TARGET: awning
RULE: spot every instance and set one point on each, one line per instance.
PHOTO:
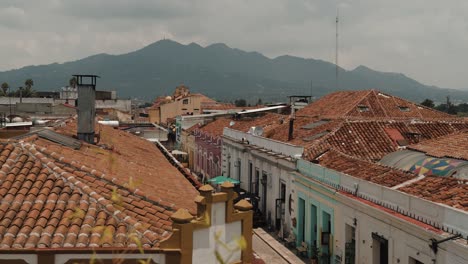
(222, 179)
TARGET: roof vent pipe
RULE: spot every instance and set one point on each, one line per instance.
(86, 104)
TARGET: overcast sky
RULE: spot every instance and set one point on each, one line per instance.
(424, 39)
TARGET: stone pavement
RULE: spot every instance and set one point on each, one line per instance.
(272, 251)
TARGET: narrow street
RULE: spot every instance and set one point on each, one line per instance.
(269, 252)
(266, 253)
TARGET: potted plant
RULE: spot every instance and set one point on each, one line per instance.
(315, 254)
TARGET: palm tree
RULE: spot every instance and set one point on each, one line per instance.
(5, 87)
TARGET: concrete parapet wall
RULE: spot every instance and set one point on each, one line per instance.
(440, 216)
(266, 143)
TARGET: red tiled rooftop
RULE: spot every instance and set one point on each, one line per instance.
(128, 157)
(368, 104)
(365, 170)
(48, 201)
(450, 146)
(268, 122)
(366, 139)
(446, 190)
(53, 196)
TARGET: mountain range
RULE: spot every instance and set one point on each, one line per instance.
(222, 73)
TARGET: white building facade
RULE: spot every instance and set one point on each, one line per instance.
(263, 167)
(350, 220)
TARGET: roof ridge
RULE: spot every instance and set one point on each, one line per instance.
(420, 105)
(102, 201)
(357, 101)
(380, 104)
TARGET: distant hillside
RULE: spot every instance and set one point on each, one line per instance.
(221, 72)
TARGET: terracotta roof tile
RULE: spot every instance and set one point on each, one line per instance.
(366, 139)
(365, 170)
(446, 190)
(367, 104)
(451, 146)
(268, 122)
(129, 159)
(52, 196)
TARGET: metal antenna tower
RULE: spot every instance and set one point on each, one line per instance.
(336, 51)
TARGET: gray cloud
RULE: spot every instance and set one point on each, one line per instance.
(425, 39)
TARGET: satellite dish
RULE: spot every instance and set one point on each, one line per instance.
(231, 123)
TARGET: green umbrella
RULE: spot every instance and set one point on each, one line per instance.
(221, 179)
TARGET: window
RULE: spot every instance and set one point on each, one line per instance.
(239, 169)
(255, 184)
(301, 218)
(404, 108)
(363, 108)
(350, 245)
(185, 101)
(380, 249)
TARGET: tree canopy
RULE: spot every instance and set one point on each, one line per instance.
(5, 88)
(428, 103)
(240, 102)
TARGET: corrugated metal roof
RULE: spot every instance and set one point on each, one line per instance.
(59, 138)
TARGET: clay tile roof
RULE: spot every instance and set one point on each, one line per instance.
(446, 190)
(362, 169)
(368, 104)
(451, 146)
(53, 196)
(268, 122)
(366, 139)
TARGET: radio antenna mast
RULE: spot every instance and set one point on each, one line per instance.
(336, 51)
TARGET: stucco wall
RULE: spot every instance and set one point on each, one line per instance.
(277, 171)
(406, 237)
(177, 108)
(204, 243)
